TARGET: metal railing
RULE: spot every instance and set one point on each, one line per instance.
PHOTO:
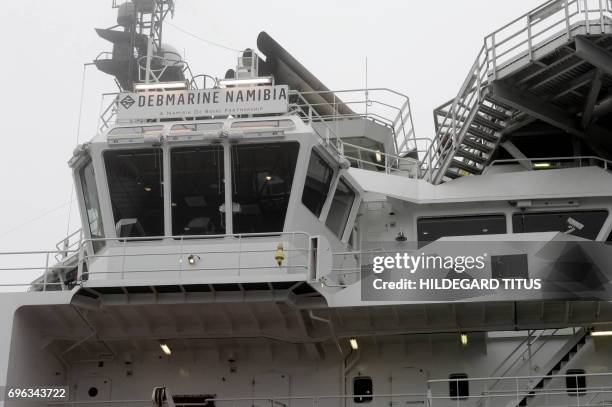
(517, 40)
(227, 253)
(437, 394)
(519, 387)
(561, 162)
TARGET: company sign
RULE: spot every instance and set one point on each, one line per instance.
(205, 102)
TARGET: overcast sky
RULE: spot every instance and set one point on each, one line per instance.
(421, 48)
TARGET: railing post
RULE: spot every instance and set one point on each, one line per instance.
(529, 39)
(123, 259)
(46, 273)
(181, 256)
(567, 22)
(239, 254)
(493, 56)
(601, 17)
(586, 17)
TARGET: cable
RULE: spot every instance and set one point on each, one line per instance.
(35, 219)
(216, 44)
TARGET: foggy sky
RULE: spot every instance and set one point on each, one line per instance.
(422, 49)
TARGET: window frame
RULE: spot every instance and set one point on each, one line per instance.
(165, 197)
(332, 184)
(330, 198)
(601, 234)
(468, 215)
(169, 185)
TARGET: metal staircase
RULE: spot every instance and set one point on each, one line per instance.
(551, 67)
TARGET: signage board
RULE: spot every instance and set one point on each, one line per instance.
(204, 102)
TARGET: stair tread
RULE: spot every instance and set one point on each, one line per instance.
(462, 152)
(464, 166)
(485, 148)
(475, 131)
(487, 123)
(494, 112)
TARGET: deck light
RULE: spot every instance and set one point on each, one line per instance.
(193, 259)
(464, 339)
(245, 82)
(161, 86)
(165, 348)
(354, 344)
(601, 333)
(378, 156)
(541, 165)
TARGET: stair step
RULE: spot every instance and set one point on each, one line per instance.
(478, 119)
(464, 166)
(461, 152)
(475, 131)
(485, 148)
(493, 112)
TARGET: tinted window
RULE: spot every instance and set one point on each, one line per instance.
(92, 206)
(575, 382)
(431, 229)
(558, 222)
(136, 192)
(459, 387)
(340, 208)
(316, 187)
(262, 176)
(197, 190)
(362, 389)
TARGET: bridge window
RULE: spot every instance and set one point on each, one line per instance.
(197, 190)
(459, 386)
(318, 181)
(340, 208)
(92, 206)
(592, 222)
(136, 191)
(262, 176)
(431, 229)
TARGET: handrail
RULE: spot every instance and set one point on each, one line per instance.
(554, 18)
(607, 164)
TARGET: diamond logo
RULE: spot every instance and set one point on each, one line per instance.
(127, 102)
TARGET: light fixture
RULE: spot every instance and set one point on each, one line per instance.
(378, 156)
(541, 165)
(268, 178)
(147, 189)
(192, 259)
(245, 82)
(165, 348)
(181, 85)
(354, 344)
(464, 339)
(279, 254)
(601, 333)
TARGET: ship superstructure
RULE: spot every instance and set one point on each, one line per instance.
(231, 224)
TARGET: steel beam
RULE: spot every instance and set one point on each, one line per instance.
(535, 108)
(591, 99)
(550, 114)
(514, 151)
(594, 54)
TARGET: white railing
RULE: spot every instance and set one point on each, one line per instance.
(558, 162)
(436, 393)
(521, 38)
(184, 256)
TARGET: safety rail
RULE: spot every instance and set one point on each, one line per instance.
(565, 162)
(519, 387)
(521, 38)
(190, 256)
(383, 106)
(436, 393)
(68, 245)
(44, 275)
